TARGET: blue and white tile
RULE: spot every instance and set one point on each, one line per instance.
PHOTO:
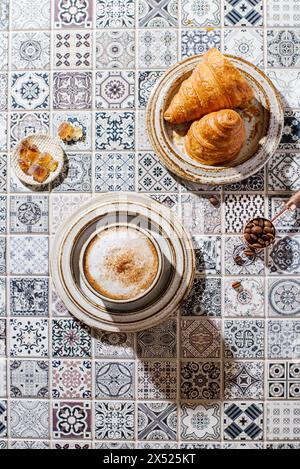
(3, 91)
(29, 255)
(29, 296)
(286, 82)
(3, 50)
(115, 49)
(195, 13)
(284, 339)
(284, 172)
(283, 421)
(30, 91)
(115, 90)
(3, 131)
(147, 80)
(244, 338)
(2, 337)
(30, 50)
(3, 378)
(29, 214)
(243, 12)
(63, 205)
(240, 208)
(199, 41)
(3, 419)
(2, 297)
(3, 214)
(2, 256)
(29, 338)
(158, 13)
(25, 124)
(157, 48)
(4, 15)
(30, 14)
(143, 142)
(245, 43)
(153, 176)
(283, 48)
(255, 183)
(204, 298)
(208, 254)
(115, 13)
(289, 222)
(29, 419)
(244, 421)
(3, 172)
(72, 90)
(114, 172)
(290, 139)
(115, 131)
(283, 13)
(76, 175)
(200, 421)
(199, 215)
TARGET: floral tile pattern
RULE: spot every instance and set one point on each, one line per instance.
(29, 419)
(194, 42)
(114, 420)
(72, 420)
(29, 378)
(71, 379)
(224, 370)
(115, 13)
(245, 43)
(115, 49)
(201, 13)
(200, 422)
(29, 296)
(30, 50)
(29, 338)
(204, 298)
(114, 172)
(29, 255)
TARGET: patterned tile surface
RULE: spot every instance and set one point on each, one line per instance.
(225, 370)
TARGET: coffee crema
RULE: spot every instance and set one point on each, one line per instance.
(121, 263)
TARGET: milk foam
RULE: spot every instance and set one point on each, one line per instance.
(121, 263)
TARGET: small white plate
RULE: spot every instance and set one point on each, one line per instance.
(47, 144)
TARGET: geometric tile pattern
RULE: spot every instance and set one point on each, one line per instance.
(225, 366)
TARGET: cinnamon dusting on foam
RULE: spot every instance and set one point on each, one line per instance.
(121, 263)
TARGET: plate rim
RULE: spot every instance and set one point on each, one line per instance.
(176, 168)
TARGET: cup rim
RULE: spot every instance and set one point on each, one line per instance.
(120, 225)
(249, 244)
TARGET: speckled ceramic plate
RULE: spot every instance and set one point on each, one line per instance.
(263, 120)
(47, 144)
(167, 294)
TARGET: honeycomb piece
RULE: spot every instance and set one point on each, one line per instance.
(28, 152)
(38, 172)
(53, 165)
(44, 160)
(66, 131)
(24, 165)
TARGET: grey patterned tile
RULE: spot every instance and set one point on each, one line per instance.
(29, 255)
(243, 12)
(255, 183)
(157, 420)
(240, 208)
(72, 90)
(157, 48)
(29, 338)
(115, 90)
(282, 421)
(244, 338)
(115, 49)
(243, 421)
(73, 50)
(71, 379)
(245, 43)
(113, 344)
(244, 380)
(29, 214)
(29, 419)
(75, 14)
(29, 296)
(115, 13)
(153, 176)
(158, 342)
(2, 297)
(283, 339)
(114, 420)
(2, 337)
(246, 301)
(147, 80)
(30, 14)
(29, 378)
(204, 13)
(70, 338)
(291, 131)
(115, 131)
(3, 419)
(72, 420)
(114, 172)
(208, 254)
(234, 251)
(282, 13)
(3, 378)
(289, 222)
(199, 41)
(200, 338)
(199, 215)
(283, 48)
(30, 50)
(114, 380)
(283, 380)
(284, 256)
(76, 175)
(284, 297)
(158, 13)
(204, 299)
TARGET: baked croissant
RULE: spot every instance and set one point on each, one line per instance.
(214, 84)
(216, 138)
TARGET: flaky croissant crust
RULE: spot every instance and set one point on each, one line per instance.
(216, 138)
(214, 84)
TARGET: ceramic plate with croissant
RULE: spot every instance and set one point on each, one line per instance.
(214, 119)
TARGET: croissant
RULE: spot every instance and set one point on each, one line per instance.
(216, 138)
(214, 84)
